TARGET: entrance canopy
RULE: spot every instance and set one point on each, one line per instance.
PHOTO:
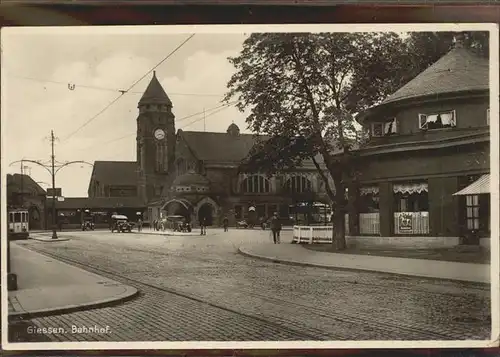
(481, 186)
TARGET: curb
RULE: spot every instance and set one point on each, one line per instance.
(48, 239)
(129, 294)
(313, 265)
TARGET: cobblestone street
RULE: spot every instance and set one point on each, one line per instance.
(200, 288)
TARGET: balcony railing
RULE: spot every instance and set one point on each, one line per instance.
(411, 223)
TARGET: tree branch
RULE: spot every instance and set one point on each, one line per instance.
(329, 190)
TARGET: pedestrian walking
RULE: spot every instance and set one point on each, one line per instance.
(203, 226)
(139, 225)
(225, 224)
(276, 228)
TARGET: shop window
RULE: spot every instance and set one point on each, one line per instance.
(369, 199)
(411, 197)
(384, 128)
(437, 121)
(472, 212)
(238, 212)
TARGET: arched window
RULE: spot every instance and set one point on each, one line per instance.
(298, 184)
(181, 167)
(256, 184)
(160, 158)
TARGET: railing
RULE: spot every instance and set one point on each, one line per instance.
(369, 223)
(311, 235)
(411, 223)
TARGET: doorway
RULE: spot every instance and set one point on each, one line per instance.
(206, 211)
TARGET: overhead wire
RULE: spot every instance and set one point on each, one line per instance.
(76, 85)
(126, 91)
(222, 106)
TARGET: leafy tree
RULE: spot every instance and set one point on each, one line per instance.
(302, 89)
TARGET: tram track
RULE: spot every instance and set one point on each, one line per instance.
(146, 288)
(385, 327)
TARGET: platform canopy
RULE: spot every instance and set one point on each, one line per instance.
(481, 186)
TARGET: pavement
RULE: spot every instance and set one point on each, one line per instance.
(297, 255)
(47, 286)
(201, 289)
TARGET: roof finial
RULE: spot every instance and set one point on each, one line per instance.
(154, 73)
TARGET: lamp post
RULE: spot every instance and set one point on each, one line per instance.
(53, 169)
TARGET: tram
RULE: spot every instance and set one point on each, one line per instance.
(18, 224)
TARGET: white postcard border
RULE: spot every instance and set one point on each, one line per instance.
(228, 29)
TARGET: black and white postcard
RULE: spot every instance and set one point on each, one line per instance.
(278, 186)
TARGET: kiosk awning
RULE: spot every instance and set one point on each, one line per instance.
(481, 186)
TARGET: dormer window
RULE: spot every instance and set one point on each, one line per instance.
(488, 116)
(384, 128)
(437, 121)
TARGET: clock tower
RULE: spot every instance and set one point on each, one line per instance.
(155, 140)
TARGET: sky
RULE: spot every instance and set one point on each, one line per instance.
(195, 79)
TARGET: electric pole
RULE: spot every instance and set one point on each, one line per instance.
(53, 159)
(204, 121)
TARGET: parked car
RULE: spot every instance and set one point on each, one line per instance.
(120, 223)
(242, 224)
(88, 224)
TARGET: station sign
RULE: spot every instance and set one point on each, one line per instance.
(54, 192)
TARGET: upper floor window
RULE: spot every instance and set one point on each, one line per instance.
(160, 158)
(384, 128)
(298, 184)
(488, 116)
(181, 167)
(256, 184)
(437, 121)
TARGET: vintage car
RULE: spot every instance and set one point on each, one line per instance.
(88, 224)
(120, 223)
(178, 223)
(242, 224)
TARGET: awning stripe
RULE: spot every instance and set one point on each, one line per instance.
(481, 186)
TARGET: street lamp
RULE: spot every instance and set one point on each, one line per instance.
(53, 170)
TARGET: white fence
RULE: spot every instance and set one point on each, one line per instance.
(311, 235)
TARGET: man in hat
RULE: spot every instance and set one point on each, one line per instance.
(275, 227)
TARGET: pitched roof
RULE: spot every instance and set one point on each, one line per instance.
(154, 93)
(123, 173)
(224, 148)
(457, 71)
(18, 182)
(220, 147)
(97, 202)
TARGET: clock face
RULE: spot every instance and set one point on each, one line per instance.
(159, 134)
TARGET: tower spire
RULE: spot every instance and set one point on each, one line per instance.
(154, 93)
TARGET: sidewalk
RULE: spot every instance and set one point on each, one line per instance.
(297, 255)
(167, 232)
(47, 286)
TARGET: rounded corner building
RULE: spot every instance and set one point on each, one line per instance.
(424, 172)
